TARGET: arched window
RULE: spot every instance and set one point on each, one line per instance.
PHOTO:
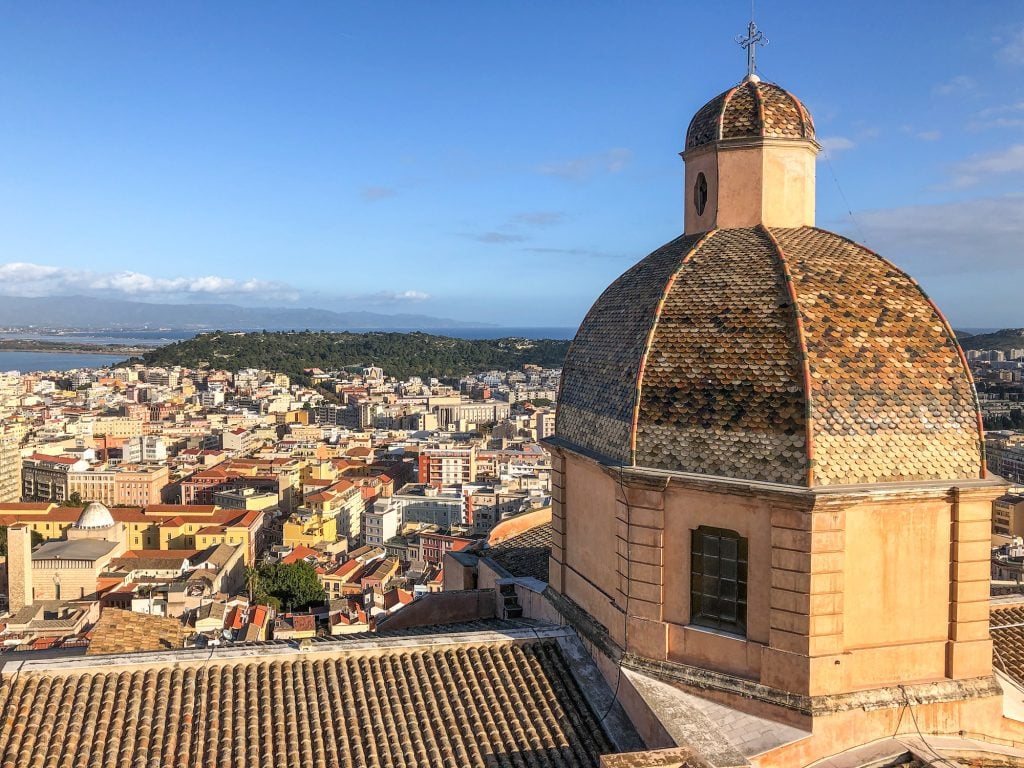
(718, 579)
(700, 193)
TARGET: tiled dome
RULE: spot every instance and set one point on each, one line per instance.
(791, 356)
(751, 109)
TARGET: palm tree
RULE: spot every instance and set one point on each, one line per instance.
(253, 584)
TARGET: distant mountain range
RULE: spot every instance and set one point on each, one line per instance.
(89, 312)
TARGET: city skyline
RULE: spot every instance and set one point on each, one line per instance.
(480, 163)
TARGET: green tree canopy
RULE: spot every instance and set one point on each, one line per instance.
(399, 354)
(295, 585)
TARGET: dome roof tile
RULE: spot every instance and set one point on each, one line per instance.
(752, 109)
(792, 356)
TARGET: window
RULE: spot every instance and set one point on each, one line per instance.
(700, 193)
(718, 579)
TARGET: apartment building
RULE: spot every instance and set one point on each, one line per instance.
(10, 467)
(45, 478)
(446, 465)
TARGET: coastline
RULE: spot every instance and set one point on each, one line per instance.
(30, 345)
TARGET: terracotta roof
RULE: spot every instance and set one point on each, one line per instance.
(481, 705)
(1007, 629)
(120, 631)
(39, 506)
(526, 554)
(54, 459)
(178, 509)
(746, 353)
(300, 552)
(258, 616)
(752, 109)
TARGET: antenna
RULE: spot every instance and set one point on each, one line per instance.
(754, 38)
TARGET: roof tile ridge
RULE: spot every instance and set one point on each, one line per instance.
(805, 116)
(805, 363)
(759, 100)
(720, 121)
(983, 472)
(638, 389)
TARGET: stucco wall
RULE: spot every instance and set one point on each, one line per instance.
(591, 576)
(443, 608)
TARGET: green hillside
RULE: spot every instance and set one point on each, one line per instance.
(1006, 339)
(399, 354)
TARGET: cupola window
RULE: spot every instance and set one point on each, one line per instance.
(718, 579)
(700, 193)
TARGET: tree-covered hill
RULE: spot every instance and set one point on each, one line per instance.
(399, 354)
(1006, 339)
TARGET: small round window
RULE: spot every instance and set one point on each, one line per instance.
(700, 194)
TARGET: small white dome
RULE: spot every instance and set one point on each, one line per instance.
(95, 516)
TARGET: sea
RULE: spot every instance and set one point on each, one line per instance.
(26, 362)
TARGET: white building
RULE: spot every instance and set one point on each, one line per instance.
(381, 522)
(147, 449)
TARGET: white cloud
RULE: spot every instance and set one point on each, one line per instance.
(388, 297)
(23, 272)
(1003, 116)
(958, 85)
(410, 296)
(578, 168)
(25, 279)
(836, 144)
(1012, 50)
(968, 237)
(974, 169)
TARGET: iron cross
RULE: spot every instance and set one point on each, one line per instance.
(754, 38)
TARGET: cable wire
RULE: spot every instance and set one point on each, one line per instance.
(625, 612)
(835, 178)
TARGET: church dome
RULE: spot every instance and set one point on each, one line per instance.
(787, 355)
(95, 515)
(752, 109)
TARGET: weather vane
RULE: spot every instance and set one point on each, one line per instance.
(754, 38)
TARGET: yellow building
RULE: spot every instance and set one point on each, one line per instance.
(157, 526)
(1008, 515)
(327, 516)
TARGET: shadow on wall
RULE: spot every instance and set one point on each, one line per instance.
(443, 608)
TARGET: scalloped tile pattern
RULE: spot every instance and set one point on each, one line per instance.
(722, 390)
(705, 126)
(1006, 625)
(595, 409)
(750, 110)
(742, 114)
(486, 705)
(891, 399)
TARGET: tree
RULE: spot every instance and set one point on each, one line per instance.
(295, 585)
(73, 500)
(36, 538)
(254, 584)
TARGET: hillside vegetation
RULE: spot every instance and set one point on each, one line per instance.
(399, 354)
(1006, 339)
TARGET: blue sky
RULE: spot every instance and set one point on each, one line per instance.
(484, 160)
